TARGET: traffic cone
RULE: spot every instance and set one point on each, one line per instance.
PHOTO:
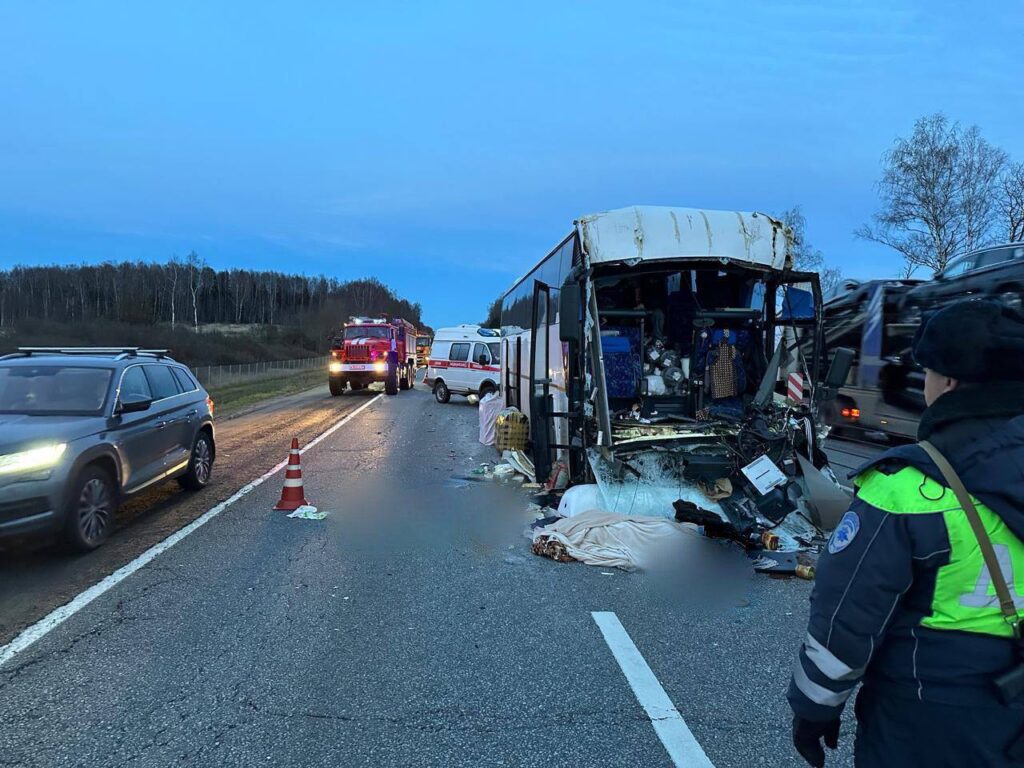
(292, 495)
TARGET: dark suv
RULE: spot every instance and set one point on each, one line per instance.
(83, 428)
(996, 272)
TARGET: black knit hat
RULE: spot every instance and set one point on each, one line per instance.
(974, 340)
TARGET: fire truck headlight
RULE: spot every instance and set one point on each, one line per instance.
(380, 366)
(335, 367)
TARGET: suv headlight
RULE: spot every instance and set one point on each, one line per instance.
(33, 459)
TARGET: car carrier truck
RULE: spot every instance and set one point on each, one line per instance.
(883, 396)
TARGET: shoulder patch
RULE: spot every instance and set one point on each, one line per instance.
(844, 533)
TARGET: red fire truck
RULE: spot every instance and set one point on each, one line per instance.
(361, 352)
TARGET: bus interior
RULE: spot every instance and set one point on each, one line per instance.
(692, 346)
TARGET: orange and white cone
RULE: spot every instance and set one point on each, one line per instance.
(292, 495)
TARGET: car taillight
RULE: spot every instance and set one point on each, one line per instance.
(850, 413)
(209, 404)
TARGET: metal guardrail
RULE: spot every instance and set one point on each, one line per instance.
(219, 375)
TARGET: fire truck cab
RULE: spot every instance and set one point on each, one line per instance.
(373, 349)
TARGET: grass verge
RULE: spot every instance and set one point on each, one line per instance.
(231, 398)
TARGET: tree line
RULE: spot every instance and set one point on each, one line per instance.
(188, 291)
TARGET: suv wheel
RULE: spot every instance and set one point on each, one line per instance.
(200, 465)
(441, 393)
(1011, 297)
(91, 508)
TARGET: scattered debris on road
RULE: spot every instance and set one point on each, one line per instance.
(308, 512)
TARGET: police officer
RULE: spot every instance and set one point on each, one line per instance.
(903, 600)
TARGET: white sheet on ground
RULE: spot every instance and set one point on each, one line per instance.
(490, 406)
(621, 541)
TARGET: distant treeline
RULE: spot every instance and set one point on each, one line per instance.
(188, 291)
(242, 315)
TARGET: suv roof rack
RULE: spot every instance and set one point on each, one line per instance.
(120, 352)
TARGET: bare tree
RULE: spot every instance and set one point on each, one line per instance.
(938, 192)
(830, 278)
(806, 258)
(982, 167)
(173, 272)
(195, 266)
(1011, 202)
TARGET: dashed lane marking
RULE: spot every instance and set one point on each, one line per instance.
(675, 735)
(53, 620)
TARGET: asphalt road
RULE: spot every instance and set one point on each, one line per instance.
(846, 456)
(411, 627)
(36, 576)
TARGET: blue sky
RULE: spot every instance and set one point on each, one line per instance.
(445, 146)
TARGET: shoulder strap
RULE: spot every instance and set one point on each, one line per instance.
(1006, 604)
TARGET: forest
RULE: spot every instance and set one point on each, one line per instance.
(207, 316)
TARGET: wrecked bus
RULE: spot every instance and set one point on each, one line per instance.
(651, 349)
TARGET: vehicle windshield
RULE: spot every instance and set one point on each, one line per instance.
(49, 390)
(366, 332)
(495, 348)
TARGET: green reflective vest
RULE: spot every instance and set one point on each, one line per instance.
(965, 597)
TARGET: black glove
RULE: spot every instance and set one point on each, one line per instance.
(807, 735)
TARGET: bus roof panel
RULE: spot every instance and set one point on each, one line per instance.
(652, 233)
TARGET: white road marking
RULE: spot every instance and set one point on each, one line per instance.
(676, 737)
(50, 622)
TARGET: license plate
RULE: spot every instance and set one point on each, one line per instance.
(358, 367)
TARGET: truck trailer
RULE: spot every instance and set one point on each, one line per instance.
(883, 397)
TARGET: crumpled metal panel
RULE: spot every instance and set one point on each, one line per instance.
(646, 233)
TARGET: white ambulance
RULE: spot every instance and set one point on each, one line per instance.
(464, 360)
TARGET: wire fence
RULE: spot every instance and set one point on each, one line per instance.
(218, 375)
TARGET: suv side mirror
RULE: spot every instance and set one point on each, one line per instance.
(483, 360)
(839, 369)
(133, 404)
(569, 313)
